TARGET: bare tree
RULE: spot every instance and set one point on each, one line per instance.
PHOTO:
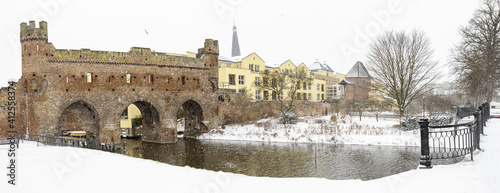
(477, 56)
(403, 63)
(282, 85)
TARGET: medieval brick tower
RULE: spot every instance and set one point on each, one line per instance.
(86, 90)
(358, 83)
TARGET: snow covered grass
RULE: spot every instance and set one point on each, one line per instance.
(67, 169)
(321, 129)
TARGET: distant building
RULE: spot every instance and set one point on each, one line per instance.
(358, 83)
(242, 74)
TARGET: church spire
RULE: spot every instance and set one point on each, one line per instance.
(236, 46)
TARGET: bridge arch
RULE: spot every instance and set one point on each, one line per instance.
(193, 115)
(150, 119)
(79, 116)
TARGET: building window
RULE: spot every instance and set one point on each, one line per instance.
(89, 77)
(238, 65)
(322, 87)
(242, 91)
(273, 83)
(304, 96)
(257, 81)
(281, 95)
(241, 80)
(257, 95)
(304, 86)
(317, 98)
(308, 96)
(317, 87)
(298, 96)
(128, 78)
(273, 95)
(232, 80)
(266, 95)
(251, 67)
(256, 68)
(309, 86)
(292, 84)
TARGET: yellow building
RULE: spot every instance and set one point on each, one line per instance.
(239, 74)
(242, 74)
(130, 113)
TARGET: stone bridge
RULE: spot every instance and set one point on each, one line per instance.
(88, 90)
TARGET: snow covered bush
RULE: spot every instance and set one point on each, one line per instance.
(291, 118)
(410, 123)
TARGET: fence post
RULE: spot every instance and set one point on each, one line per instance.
(485, 116)
(425, 158)
(481, 119)
(476, 132)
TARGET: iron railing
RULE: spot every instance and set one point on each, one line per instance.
(60, 141)
(452, 141)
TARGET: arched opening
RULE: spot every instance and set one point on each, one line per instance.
(143, 123)
(193, 117)
(33, 85)
(79, 120)
(131, 122)
(180, 122)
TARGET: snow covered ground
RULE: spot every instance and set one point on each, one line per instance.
(66, 169)
(321, 130)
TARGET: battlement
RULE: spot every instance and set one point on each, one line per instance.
(32, 33)
(31, 36)
(141, 56)
(210, 47)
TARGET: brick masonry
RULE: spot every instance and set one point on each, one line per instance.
(88, 90)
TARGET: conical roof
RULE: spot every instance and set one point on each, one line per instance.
(358, 71)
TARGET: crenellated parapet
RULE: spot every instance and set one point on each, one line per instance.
(31, 32)
(35, 44)
(135, 56)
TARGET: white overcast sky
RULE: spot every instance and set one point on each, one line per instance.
(277, 30)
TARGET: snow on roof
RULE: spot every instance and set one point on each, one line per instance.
(317, 66)
(274, 64)
(345, 82)
(358, 71)
(230, 59)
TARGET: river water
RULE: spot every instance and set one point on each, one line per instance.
(337, 162)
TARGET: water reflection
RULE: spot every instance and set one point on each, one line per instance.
(282, 159)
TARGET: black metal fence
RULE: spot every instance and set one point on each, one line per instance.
(451, 141)
(61, 141)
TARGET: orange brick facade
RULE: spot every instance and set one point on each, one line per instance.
(88, 90)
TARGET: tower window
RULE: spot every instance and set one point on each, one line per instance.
(89, 77)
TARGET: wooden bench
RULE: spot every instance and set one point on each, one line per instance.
(6, 141)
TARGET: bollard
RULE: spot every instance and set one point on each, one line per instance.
(425, 158)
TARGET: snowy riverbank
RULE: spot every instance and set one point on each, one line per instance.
(321, 130)
(66, 169)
